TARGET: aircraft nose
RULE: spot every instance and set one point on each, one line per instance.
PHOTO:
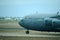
(21, 22)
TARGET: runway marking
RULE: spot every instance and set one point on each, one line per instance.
(28, 35)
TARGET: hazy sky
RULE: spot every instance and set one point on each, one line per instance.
(21, 8)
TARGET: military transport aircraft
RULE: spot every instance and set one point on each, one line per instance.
(41, 22)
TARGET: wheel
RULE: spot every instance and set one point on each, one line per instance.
(27, 32)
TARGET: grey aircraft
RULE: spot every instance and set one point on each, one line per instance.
(41, 22)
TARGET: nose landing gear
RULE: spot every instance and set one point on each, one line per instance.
(27, 32)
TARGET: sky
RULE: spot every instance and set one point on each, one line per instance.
(20, 8)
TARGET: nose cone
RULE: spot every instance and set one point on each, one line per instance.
(24, 23)
(21, 22)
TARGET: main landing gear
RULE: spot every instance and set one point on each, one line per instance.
(27, 32)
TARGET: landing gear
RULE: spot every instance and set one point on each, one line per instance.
(27, 32)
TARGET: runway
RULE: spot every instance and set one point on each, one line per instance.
(15, 32)
(15, 36)
(27, 35)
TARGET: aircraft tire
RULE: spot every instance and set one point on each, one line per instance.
(27, 32)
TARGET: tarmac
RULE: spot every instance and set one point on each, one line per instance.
(16, 32)
(34, 35)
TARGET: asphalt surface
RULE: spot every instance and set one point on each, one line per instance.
(13, 31)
